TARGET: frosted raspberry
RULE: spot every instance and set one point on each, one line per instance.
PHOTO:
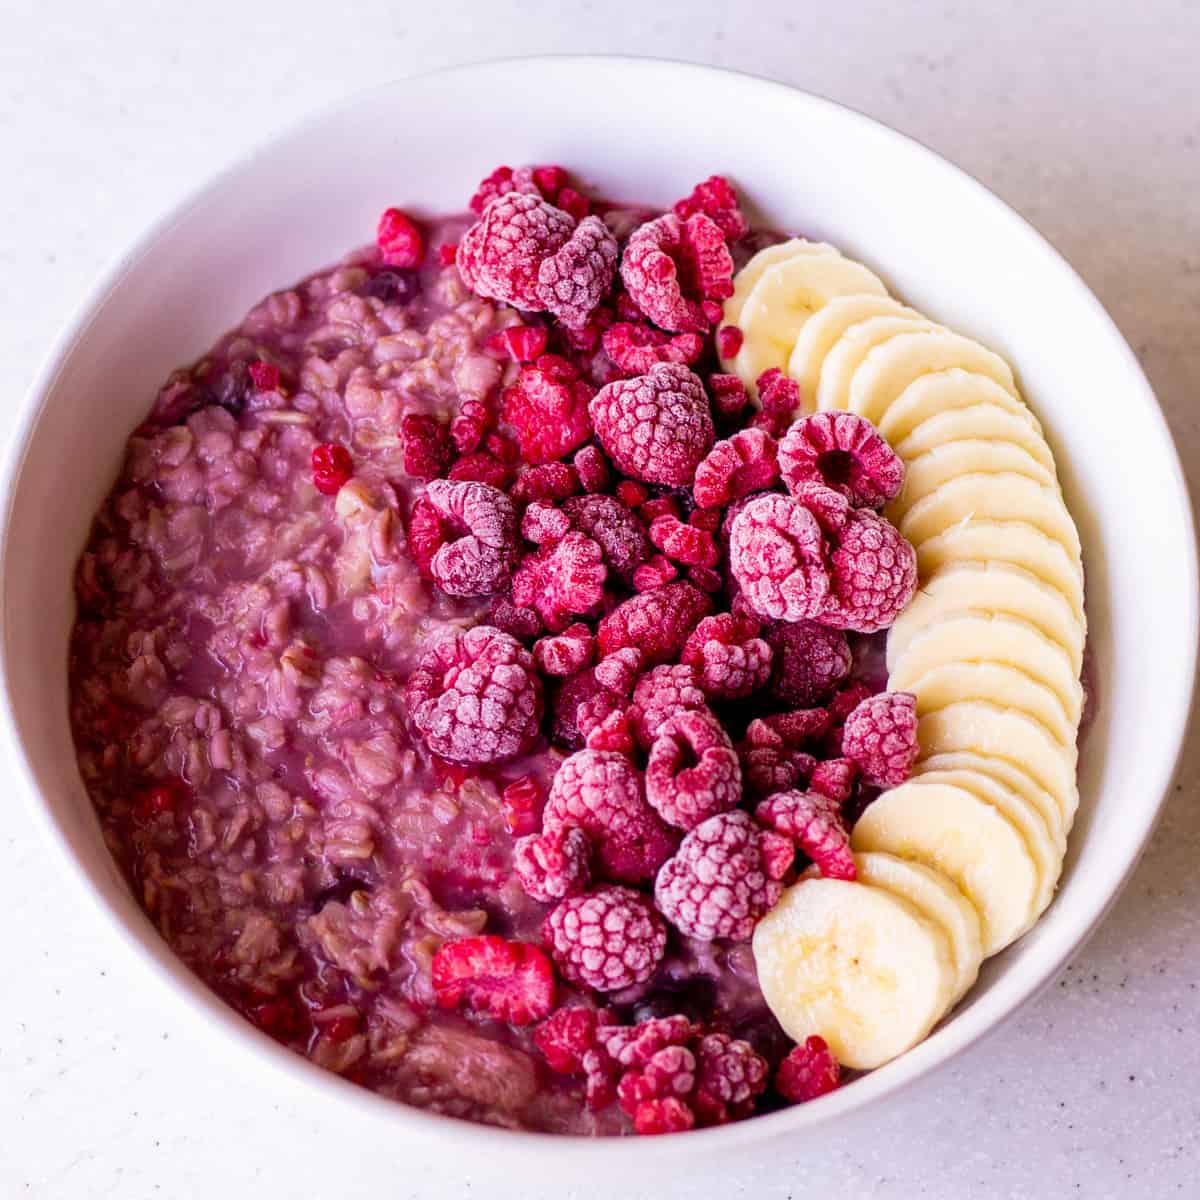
(426, 443)
(661, 694)
(779, 397)
(635, 348)
(880, 738)
(777, 555)
(874, 575)
(670, 1072)
(710, 265)
(736, 467)
(808, 1071)
(706, 579)
(795, 729)
(729, 395)
(500, 182)
(522, 802)
(730, 659)
(619, 671)
(635, 1045)
(567, 1035)
(509, 981)
(656, 622)
(655, 272)
(548, 407)
(543, 524)
(564, 578)
(655, 427)
(717, 885)
(730, 1076)
(613, 733)
(592, 468)
(502, 447)
(264, 376)
(843, 451)
(553, 866)
(481, 467)
(332, 466)
(655, 572)
(683, 543)
(479, 537)
(608, 940)
(693, 772)
(729, 341)
(581, 704)
(399, 239)
(716, 198)
(774, 768)
(814, 823)
(833, 778)
(573, 280)
(521, 343)
(810, 660)
(601, 792)
(469, 425)
(547, 481)
(847, 699)
(474, 696)
(500, 255)
(619, 533)
(522, 623)
(568, 653)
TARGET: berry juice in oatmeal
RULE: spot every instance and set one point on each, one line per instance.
(458, 680)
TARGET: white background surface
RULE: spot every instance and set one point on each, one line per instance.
(1084, 116)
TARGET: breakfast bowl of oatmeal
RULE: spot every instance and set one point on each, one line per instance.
(636, 638)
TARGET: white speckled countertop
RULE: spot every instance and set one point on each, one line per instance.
(1083, 114)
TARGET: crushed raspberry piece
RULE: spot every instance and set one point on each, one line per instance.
(399, 239)
(553, 866)
(669, 1115)
(683, 543)
(693, 772)
(499, 183)
(619, 671)
(426, 443)
(705, 518)
(469, 425)
(474, 696)
(332, 466)
(710, 265)
(522, 802)
(581, 704)
(779, 397)
(706, 579)
(655, 272)
(810, 660)
(796, 729)
(777, 555)
(809, 1071)
(543, 524)
(656, 622)
(522, 623)
(834, 778)
(566, 1036)
(548, 407)
(880, 738)
(509, 981)
(613, 733)
(659, 506)
(548, 481)
(601, 792)
(654, 573)
(631, 493)
(521, 343)
(621, 536)
(843, 451)
(729, 395)
(814, 823)
(592, 468)
(166, 797)
(608, 939)
(773, 768)
(728, 656)
(564, 578)
(717, 885)
(729, 341)
(730, 1076)
(715, 198)
(264, 375)
(661, 694)
(481, 467)
(874, 574)
(568, 653)
(479, 528)
(736, 467)
(656, 427)
(426, 535)
(500, 255)
(573, 280)
(635, 348)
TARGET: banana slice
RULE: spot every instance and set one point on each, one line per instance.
(989, 729)
(947, 391)
(889, 368)
(837, 371)
(856, 965)
(1003, 496)
(823, 329)
(1011, 776)
(927, 472)
(997, 682)
(784, 297)
(950, 829)
(997, 587)
(1016, 543)
(937, 899)
(751, 273)
(977, 422)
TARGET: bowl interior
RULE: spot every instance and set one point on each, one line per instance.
(941, 242)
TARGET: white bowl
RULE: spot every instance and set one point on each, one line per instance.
(644, 130)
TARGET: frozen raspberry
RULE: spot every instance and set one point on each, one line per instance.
(797, 729)
(635, 1045)
(661, 694)
(553, 866)
(548, 407)
(264, 375)
(547, 481)
(810, 660)
(500, 255)
(715, 198)
(502, 447)
(592, 468)
(660, 506)
(693, 772)
(773, 768)
(843, 451)
(573, 280)
(568, 653)
(479, 532)
(655, 572)
(601, 792)
(481, 467)
(655, 271)
(608, 939)
(510, 981)
(670, 1072)
(543, 524)
(730, 659)
(834, 778)
(874, 575)
(729, 395)
(717, 885)
(621, 536)
(880, 738)
(669, 1115)
(500, 182)
(469, 425)
(736, 467)
(522, 802)
(426, 443)
(706, 579)
(636, 348)
(613, 733)
(705, 518)
(521, 343)
(619, 671)
(779, 396)
(561, 579)
(631, 493)
(729, 341)
(682, 543)
(777, 555)
(656, 622)
(567, 1035)
(814, 823)
(656, 427)
(709, 263)
(730, 1076)
(808, 1071)
(399, 239)
(331, 467)
(581, 704)
(522, 623)
(474, 696)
